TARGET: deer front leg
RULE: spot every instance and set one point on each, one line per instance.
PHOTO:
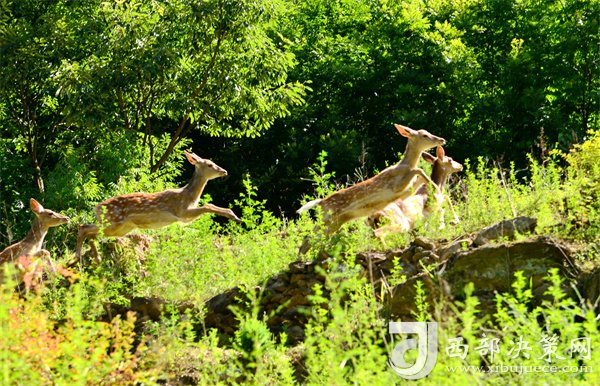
(44, 254)
(456, 220)
(87, 231)
(382, 232)
(422, 173)
(193, 213)
(407, 185)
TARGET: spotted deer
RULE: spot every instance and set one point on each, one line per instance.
(396, 182)
(403, 214)
(31, 245)
(120, 215)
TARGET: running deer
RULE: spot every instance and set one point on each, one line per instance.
(121, 214)
(31, 245)
(404, 213)
(397, 182)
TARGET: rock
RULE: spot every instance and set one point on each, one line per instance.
(275, 321)
(296, 278)
(296, 267)
(401, 304)
(366, 258)
(492, 267)
(590, 288)
(295, 334)
(148, 307)
(455, 246)
(424, 243)
(278, 286)
(298, 300)
(276, 299)
(281, 277)
(506, 229)
(426, 256)
(221, 302)
(429, 257)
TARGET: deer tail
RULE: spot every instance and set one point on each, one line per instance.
(309, 205)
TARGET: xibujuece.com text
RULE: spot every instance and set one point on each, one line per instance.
(519, 369)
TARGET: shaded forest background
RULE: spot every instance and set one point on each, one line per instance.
(100, 97)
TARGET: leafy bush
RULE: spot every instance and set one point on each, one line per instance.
(35, 349)
(583, 187)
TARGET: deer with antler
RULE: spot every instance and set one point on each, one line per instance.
(121, 214)
(403, 214)
(396, 182)
(31, 245)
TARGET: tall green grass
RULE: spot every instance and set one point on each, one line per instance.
(60, 334)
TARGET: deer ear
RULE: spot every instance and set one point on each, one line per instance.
(35, 206)
(428, 157)
(403, 130)
(440, 152)
(191, 157)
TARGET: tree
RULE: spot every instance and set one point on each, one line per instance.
(173, 66)
(35, 35)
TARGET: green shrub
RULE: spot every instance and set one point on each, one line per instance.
(35, 349)
(583, 187)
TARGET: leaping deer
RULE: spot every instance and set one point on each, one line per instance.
(121, 214)
(404, 213)
(31, 245)
(396, 182)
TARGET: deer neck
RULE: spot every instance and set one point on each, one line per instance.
(35, 236)
(411, 156)
(193, 190)
(439, 176)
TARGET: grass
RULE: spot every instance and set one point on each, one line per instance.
(61, 334)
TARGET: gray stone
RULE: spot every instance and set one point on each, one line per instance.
(506, 229)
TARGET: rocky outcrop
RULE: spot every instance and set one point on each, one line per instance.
(488, 258)
(590, 288)
(285, 297)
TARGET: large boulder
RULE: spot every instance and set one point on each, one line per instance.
(492, 267)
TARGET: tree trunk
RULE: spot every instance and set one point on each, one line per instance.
(37, 176)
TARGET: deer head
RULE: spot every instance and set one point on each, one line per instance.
(207, 168)
(449, 165)
(419, 140)
(46, 216)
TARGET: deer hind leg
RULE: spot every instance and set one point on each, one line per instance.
(305, 245)
(395, 227)
(331, 224)
(118, 229)
(87, 231)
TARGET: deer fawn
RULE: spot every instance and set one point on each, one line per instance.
(396, 182)
(403, 213)
(31, 245)
(121, 214)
